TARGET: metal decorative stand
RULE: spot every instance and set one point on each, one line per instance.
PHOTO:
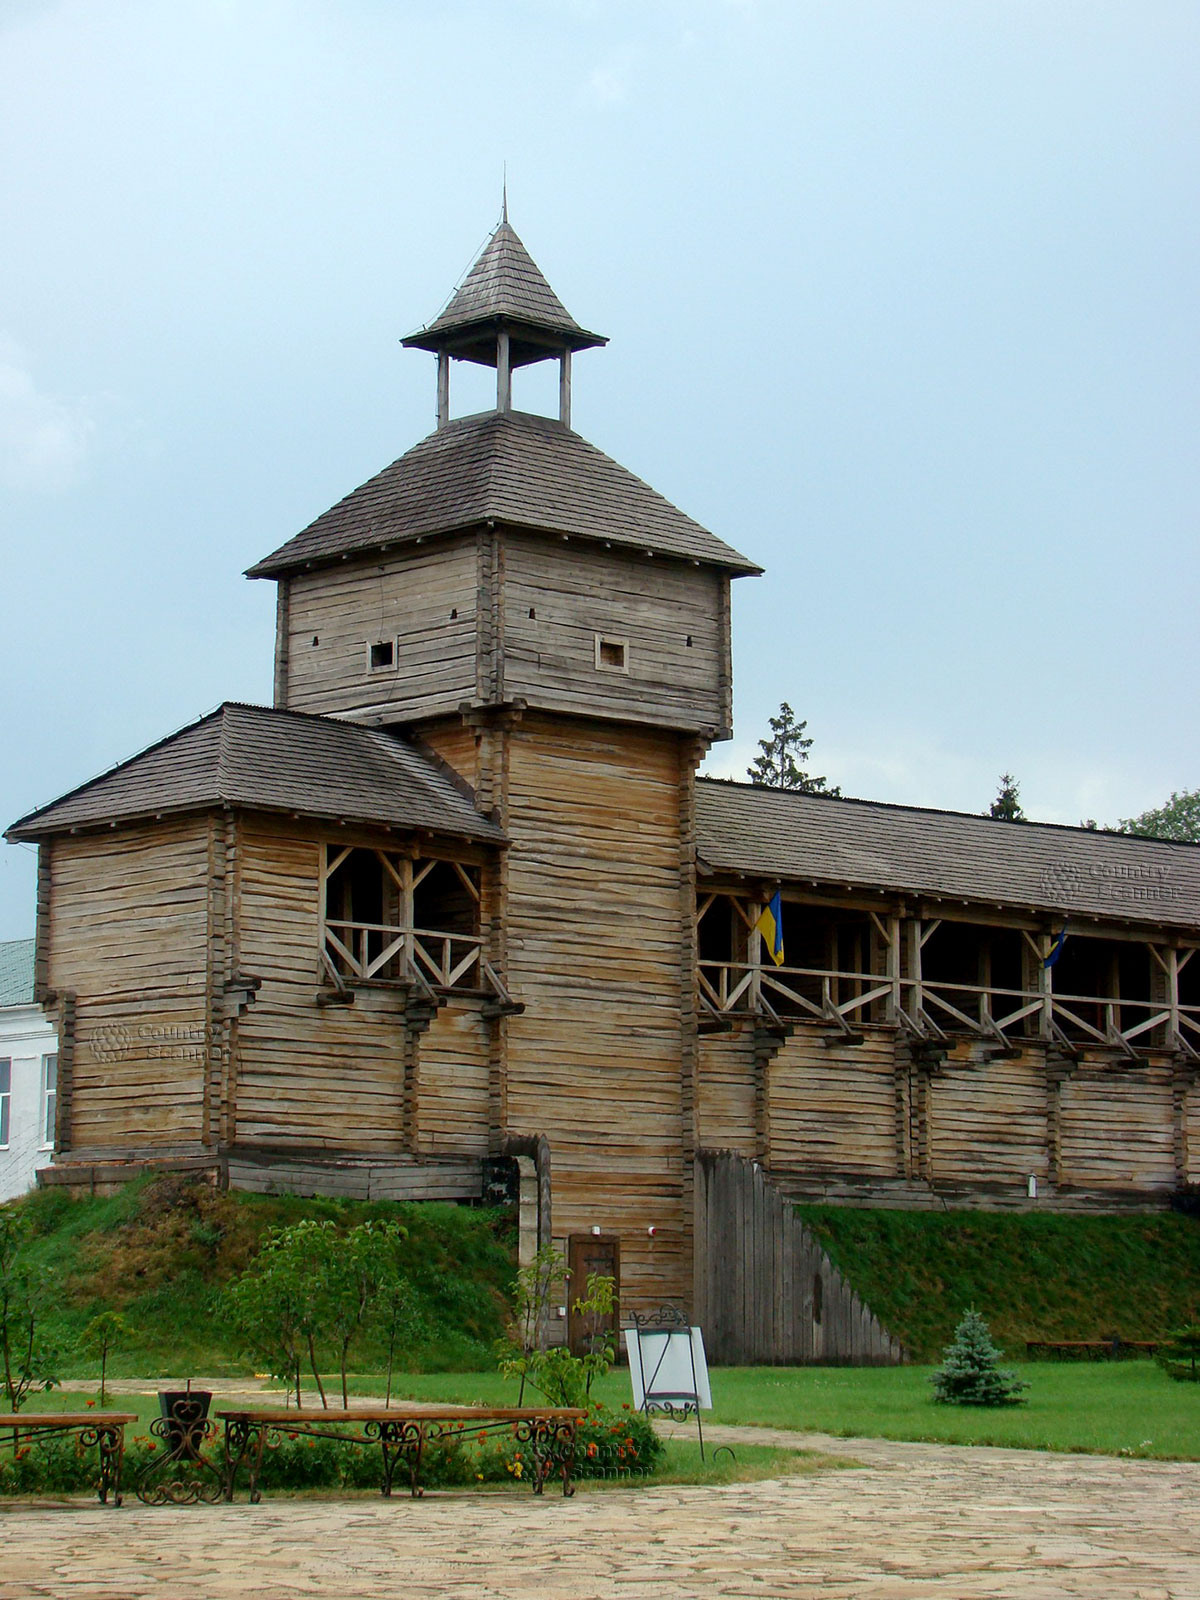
(664, 1347)
(182, 1475)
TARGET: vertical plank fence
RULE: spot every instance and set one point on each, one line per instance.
(766, 1294)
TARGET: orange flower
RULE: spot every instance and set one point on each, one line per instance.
(591, 1449)
(90, 1402)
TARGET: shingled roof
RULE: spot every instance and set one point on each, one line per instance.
(862, 844)
(510, 467)
(262, 759)
(504, 286)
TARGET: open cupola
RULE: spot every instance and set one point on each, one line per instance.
(504, 315)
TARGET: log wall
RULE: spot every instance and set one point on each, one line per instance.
(1118, 1126)
(833, 1107)
(554, 609)
(127, 935)
(423, 600)
(450, 1098)
(726, 1093)
(332, 1077)
(594, 948)
(989, 1121)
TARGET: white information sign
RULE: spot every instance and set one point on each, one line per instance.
(668, 1365)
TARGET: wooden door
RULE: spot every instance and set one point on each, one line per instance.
(591, 1253)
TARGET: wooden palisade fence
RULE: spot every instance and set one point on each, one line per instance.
(766, 1294)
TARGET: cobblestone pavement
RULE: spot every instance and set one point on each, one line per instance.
(937, 1522)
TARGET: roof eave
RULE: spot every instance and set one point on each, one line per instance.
(736, 565)
(455, 338)
(21, 832)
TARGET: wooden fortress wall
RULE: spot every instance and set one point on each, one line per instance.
(869, 1117)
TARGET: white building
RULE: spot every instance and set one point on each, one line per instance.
(28, 1073)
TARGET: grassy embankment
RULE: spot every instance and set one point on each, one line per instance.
(1032, 1276)
(159, 1253)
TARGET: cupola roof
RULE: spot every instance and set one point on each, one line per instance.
(504, 289)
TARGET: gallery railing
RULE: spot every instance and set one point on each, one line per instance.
(931, 1007)
(374, 951)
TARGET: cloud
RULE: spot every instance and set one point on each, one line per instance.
(44, 440)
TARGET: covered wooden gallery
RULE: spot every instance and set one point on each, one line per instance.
(457, 907)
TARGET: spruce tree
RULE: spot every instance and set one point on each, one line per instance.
(970, 1373)
(781, 761)
(1006, 807)
(1179, 1353)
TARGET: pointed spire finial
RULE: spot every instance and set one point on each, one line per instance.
(504, 192)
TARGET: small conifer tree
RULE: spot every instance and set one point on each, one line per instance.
(1006, 807)
(1179, 1353)
(971, 1374)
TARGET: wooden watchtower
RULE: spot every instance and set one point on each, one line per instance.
(559, 634)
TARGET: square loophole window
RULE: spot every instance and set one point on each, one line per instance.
(383, 654)
(612, 654)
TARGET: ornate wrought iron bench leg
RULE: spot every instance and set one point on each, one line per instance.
(110, 1448)
(400, 1441)
(238, 1439)
(553, 1445)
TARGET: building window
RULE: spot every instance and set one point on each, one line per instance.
(49, 1099)
(382, 655)
(612, 655)
(5, 1097)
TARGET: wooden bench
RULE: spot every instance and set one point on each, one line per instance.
(402, 1433)
(103, 1429)
(1090, 1349)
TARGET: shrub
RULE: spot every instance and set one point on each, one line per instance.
(1179, 1354)
(970, 1374)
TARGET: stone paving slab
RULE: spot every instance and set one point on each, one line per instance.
(909, 1522)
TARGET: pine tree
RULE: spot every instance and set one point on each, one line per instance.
(781, 759)
(1006, 807)
(970, 1373)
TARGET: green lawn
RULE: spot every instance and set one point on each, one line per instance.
(1106, 1408)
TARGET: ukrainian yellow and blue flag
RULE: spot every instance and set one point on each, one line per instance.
(770, 925)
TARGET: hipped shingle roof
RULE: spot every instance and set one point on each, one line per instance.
(505, 285)
(507, 467)
(261, 759)
(781, 836)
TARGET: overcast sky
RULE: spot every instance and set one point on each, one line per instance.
(902, 302)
